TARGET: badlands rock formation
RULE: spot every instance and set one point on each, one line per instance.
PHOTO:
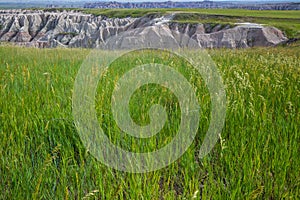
(75, 29)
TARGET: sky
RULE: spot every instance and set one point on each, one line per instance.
(137, 0)
(40, 1)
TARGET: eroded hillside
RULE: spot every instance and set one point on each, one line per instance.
(76, 29)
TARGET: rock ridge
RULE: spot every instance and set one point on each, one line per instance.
(73, 29)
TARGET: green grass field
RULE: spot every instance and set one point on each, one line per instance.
(257, 156)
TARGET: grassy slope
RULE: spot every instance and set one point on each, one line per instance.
(288, 22)
(228, 12)
(41, 156)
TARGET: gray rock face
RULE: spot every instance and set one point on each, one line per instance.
(74, 29)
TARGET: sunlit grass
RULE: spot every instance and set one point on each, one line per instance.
(42, 157)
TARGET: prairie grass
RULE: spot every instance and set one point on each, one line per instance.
(257, 156)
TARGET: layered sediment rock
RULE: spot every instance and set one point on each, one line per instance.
(75, 29)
